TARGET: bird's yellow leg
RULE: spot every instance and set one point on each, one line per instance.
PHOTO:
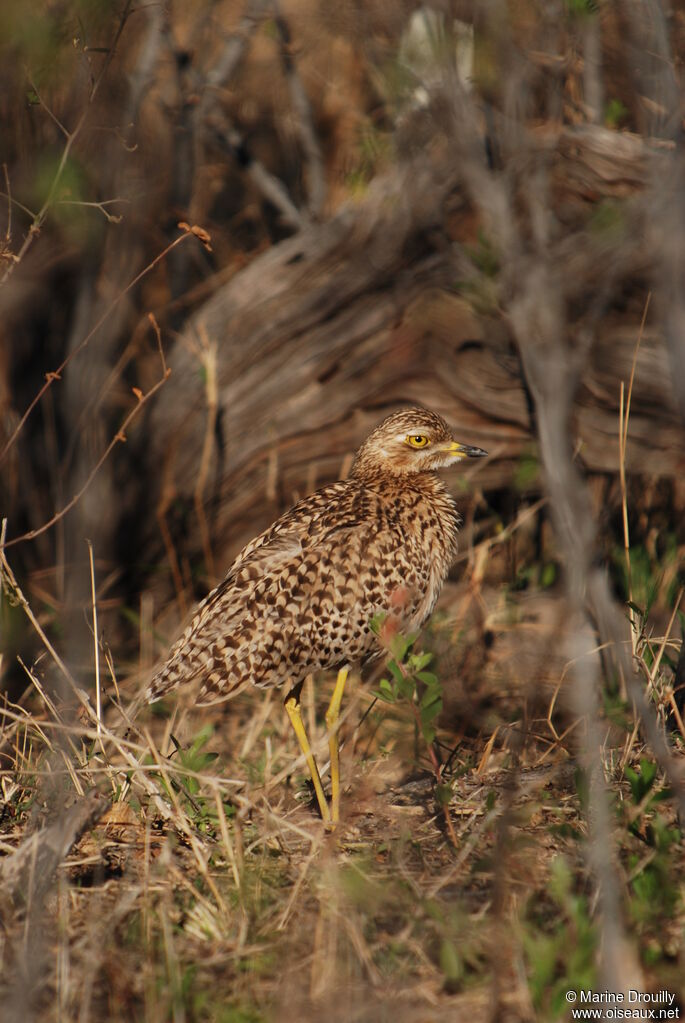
(292, 708)
(332, 716)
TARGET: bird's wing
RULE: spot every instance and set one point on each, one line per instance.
(295, 525)
(269, 555)
(283, 549)
(295, 542)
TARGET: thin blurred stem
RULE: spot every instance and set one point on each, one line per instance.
(71, 137)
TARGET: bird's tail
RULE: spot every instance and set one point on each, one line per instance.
(164, 681)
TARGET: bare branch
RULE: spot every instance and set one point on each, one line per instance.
(119, 437)
(233, 52)
(39, 219)
(310, 144)
(52, 376)
(209, 116)
(268, 184)
(32, 865)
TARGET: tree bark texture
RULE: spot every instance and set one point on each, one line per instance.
(322, 335)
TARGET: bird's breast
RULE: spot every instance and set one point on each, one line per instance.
(418, 536)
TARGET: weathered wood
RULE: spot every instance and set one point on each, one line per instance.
(30, 868)
(325, 332)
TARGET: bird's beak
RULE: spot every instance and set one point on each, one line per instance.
(464, 450)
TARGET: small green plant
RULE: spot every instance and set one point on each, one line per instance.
(409, 681)
(484, 255)
(608, 219)
(654, 887)
(582, 8)
(560, 942)
(373, 150)
(641, 782)
(654, 574)
(194, 759)
(527, 473)
(481, 289)
(241, 1013)
(615, 113)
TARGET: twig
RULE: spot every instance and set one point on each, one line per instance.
(264, 181)
(654, 669)
(39, 219)
(210, 116)
(49, 703)
(15, 593)
(53, 117)
(8, 193)
(449, 875)
(234, 50)
(42, 852)
(305, 122)
(119, 437)
(676, 714)
(166, 496)
(111, 218)
(158, 336)
(141, 77)
(208, 357)
(537, 310)
(11, 201)
(167, 540)
(624, 418)
(9, 581)
(50, 377)
(435, 764)
(98, 702)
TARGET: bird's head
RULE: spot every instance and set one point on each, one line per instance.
(413, 440)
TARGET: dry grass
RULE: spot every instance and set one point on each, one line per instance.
(173, 867)
(208, 890)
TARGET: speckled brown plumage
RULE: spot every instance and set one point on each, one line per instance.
(300, 597)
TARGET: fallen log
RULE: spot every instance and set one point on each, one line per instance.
(324, 333)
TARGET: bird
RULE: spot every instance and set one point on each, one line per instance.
(302, 596)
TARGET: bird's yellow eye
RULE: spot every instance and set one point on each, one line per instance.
(417, 440)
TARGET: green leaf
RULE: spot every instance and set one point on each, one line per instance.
(376, 623)
(641, 782)
(385, 692)
(615, 113)
(634, 782)
(405, 687)
(560, 881)
(443, 794)
(527, 472)
(428, 715)
(430, 696)
(430, 706)
(396, 671)
(648, 772)
(450, 963)
(398, 647)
